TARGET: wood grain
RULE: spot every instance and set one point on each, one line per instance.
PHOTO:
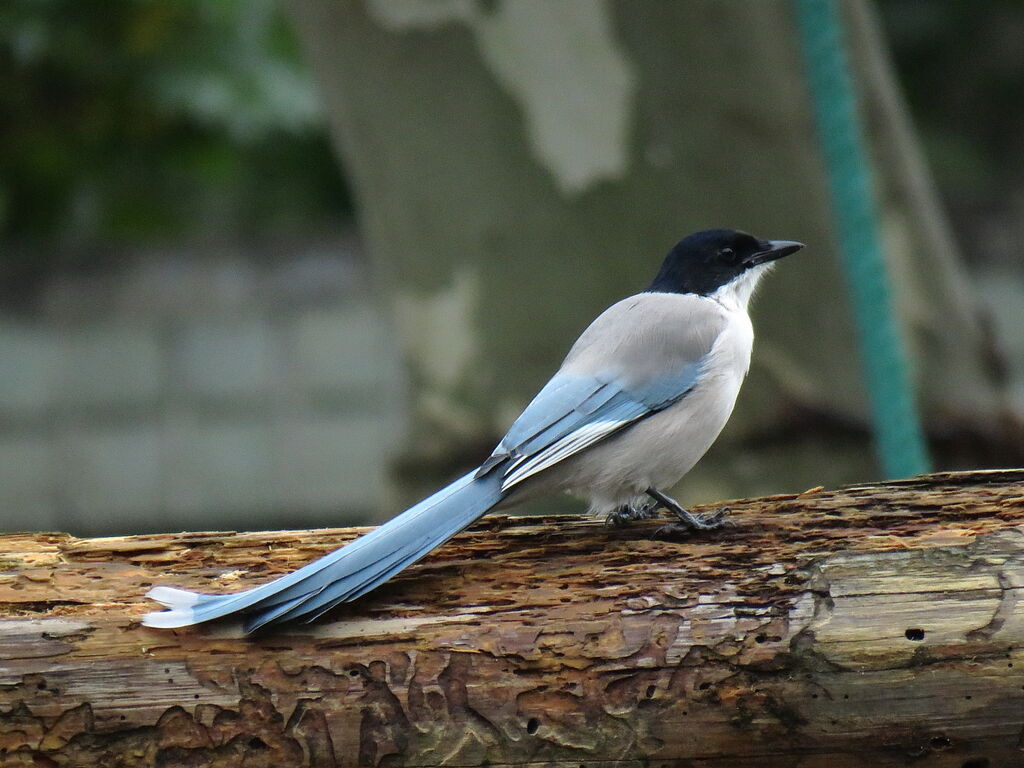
(876, 625)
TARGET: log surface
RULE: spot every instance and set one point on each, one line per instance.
(876, 625)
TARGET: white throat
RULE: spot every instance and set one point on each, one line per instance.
(736, 293)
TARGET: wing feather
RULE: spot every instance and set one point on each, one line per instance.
(583, 424)
(658, 359)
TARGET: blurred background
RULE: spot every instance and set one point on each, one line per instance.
(284, 266)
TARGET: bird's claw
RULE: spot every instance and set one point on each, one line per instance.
(627, 514)
(717, 519)
(689, 524)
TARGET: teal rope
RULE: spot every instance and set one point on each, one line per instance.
(898, 435)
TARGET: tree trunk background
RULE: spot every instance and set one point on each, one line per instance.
(874, 625)
(518, 166)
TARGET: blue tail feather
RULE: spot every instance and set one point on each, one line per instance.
(348, 572)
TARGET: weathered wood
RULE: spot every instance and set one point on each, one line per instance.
(869, 626)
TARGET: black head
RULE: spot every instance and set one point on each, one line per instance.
(705, 261)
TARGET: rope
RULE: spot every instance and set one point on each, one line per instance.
(899, 441)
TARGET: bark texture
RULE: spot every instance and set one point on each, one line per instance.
(869, 626)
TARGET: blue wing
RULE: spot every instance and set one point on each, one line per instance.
(573, 412)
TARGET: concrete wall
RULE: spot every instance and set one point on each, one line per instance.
(201, 391)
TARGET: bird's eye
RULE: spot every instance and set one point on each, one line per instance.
(726, 253)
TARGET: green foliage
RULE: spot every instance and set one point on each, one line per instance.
(129, 120)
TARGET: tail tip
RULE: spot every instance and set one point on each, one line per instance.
(169, 619)
(179, 603)
(174, 598)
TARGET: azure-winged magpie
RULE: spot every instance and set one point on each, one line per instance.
(640, 397)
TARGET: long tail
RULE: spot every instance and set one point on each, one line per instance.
(346, 573)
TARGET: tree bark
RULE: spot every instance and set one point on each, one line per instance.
(868, 626)
(518, 166)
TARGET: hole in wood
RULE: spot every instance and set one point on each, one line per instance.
(532, 725)
(914, 634)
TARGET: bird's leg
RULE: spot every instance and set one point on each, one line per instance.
(688, 522)
(627, 513)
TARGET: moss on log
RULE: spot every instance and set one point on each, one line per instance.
(873, 625)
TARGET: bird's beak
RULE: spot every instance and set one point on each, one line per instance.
(772, 250)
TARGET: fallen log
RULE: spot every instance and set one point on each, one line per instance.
(868, 626)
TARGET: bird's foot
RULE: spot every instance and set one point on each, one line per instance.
(690, 523)
(628, 513)
(709, 522)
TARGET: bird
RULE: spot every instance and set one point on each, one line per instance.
(642, 394)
